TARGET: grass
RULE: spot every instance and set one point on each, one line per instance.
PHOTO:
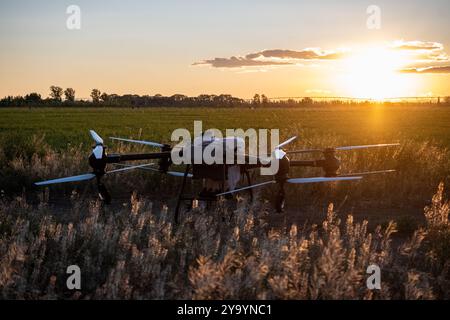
(233, 250)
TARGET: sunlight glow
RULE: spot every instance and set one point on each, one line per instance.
(372, 73)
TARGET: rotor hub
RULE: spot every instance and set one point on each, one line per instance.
(98, 164)
(331, 163)
(283, 169)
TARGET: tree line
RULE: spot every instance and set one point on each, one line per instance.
(66, 97)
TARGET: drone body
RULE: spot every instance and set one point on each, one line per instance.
(219, 178)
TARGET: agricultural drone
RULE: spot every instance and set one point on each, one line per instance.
(218, 179)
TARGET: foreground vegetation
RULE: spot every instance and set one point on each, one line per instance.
(135, 252)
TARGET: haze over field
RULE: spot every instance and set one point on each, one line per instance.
(280, 48)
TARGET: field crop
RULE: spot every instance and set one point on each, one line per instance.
(346, 124)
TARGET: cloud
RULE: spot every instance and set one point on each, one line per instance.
(237, 62)
(305, 54)
(432, 69)
(417, 45)
(422, 50)
(433, 56)
(272, 57)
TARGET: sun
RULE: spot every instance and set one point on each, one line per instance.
(372, 73)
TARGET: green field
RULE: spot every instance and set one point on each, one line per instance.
(369, 124)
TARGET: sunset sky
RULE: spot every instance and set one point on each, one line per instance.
(279, 48)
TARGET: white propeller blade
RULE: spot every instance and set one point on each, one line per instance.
(81, 177)
(148, 143)
(130, 168)
(322, 179)
(347, 148)
(247, 187)
(96, 137)
(366, 173)
(286, 142)
(279, 154)
(86, 176)
(98, 152)
(368, 146)
(148, 167)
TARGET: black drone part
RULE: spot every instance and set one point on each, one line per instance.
(103, 192)
(165, 162)
(281, 178)
(98, 165)
(330, 164)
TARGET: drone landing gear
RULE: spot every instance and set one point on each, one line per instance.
(180, 194)
(207, 197)
(280, 199)
(249, 182)
(102, 191)
(104, 194)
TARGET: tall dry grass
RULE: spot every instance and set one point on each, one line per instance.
(136, 253)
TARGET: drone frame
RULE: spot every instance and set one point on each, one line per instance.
(99, 159)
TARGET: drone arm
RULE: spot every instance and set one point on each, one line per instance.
(116, 158)
(292, 163)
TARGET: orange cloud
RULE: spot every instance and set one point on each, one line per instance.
(432, 69)
(272, 57)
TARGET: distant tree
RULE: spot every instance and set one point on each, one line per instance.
(6, 101)
(178, 97)
(69, 93)
(205, 98)
(264, 99)
(33, 98)
(56, 93)
(290, 101)
(223, 99)
(11, 101)
(95, 95)
(104, 97)
(113, 97)
(256, 99)
(307, 100)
